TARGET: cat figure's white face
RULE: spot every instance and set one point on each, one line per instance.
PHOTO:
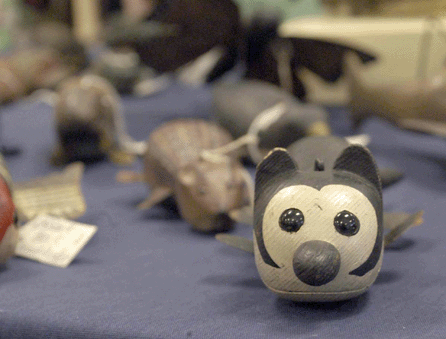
(318, 233)
(318, 238)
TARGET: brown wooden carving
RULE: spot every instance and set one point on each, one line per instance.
(206, 185)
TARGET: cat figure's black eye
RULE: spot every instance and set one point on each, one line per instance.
(346, 223)
(291, 220)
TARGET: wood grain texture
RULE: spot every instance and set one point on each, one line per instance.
(206, 188)
(178, 142)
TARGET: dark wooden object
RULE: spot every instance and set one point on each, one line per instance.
(272, 58)
(202, 25)
(236, 106)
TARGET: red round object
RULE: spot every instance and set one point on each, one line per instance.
(7, 208)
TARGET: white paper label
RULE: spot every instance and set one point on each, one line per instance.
(53, 241)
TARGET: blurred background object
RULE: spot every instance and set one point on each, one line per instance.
(169, 34)
(406, 48)
(280, 58)
(86, 20)
(390, 8)
(289, 8)
(9, 22)
(298, 45)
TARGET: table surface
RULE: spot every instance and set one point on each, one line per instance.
(146, 274)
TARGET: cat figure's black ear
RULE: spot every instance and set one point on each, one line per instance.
(275, 169)
(277, 165)
(358, 159)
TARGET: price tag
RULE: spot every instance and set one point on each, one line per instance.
(57, 194)
(53, 241)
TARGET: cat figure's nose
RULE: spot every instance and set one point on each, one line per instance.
(316, 262)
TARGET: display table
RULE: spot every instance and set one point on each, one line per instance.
(146, 274)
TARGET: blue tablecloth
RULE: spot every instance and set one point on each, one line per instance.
(145, 274)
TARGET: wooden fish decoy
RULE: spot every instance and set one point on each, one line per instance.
(318, 221)
(418, 105)
(276, 59)
(183, 160)
(238, 107)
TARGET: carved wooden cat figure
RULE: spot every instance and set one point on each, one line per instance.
(318, 221)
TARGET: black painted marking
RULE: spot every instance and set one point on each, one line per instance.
(271, 173)
(359, 160)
